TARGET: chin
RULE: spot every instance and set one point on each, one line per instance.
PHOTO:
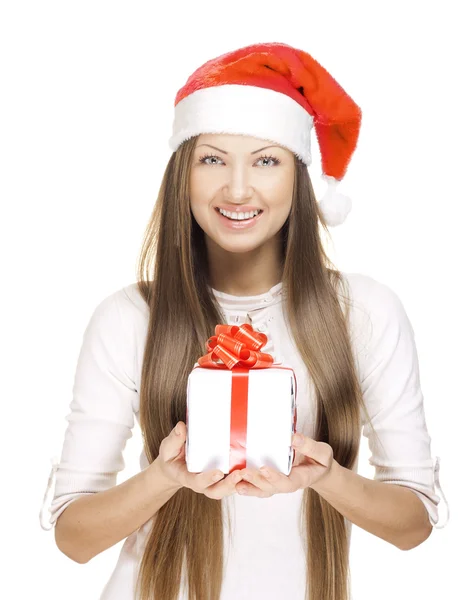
(238, 249)
(237, 246)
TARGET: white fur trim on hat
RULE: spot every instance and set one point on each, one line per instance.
(244, 110)
(334, 206)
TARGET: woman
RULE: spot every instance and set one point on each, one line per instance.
(241, 144)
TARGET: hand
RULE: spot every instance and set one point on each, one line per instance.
(313, 462)
(171, 466)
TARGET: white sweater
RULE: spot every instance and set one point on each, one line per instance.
(106, 398)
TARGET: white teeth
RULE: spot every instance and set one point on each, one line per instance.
(238, 216)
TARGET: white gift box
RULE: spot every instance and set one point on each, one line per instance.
(271, 413)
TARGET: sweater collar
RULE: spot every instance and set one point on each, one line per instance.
(231, 302)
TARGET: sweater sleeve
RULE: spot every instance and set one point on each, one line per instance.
(390, 379)
(101, 414)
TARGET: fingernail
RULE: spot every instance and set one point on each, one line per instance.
(177, 429)
(264, 471)
(298, 440)
(217, 476)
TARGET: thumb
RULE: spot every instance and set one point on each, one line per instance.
(321, 452)
(173, 444)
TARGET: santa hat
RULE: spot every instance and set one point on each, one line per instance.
(278, 93)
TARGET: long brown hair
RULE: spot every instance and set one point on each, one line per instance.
(187, 531)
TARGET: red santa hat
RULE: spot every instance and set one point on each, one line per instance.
(278, 93)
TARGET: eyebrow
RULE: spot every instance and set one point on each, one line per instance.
(223, 151)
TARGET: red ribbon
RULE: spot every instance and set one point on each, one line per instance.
(237, 348)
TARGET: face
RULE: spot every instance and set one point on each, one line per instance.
(240, 175)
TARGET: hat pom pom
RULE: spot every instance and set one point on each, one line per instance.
(334, 206)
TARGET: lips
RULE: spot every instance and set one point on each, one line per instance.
(238, 224)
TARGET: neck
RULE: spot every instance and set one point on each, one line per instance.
(245, 273)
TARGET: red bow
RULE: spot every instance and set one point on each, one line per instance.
(236, 346)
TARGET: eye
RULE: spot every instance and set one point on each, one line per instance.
(207, 157)
(204, 159)
(269, 158)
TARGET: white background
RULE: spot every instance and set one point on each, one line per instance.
(86, 111)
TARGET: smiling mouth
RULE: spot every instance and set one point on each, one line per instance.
(237, 220)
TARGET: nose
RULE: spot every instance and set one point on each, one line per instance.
(238, 187)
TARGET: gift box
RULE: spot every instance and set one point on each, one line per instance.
(241, 405)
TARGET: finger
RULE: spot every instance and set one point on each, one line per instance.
(281, 482)
(278, 481)
(172, 445)
(256, 479)
(225, 487)
(248, 489)
(198, 482)
(318, 451)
